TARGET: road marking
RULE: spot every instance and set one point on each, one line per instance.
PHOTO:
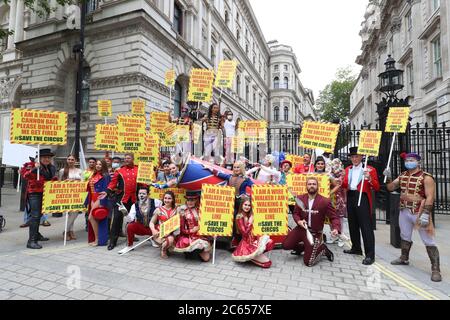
(55, 250)
(407, 284)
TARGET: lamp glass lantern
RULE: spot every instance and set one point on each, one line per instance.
(391, 80)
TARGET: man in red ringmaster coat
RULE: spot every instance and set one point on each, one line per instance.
(360, 217)
(310, 212)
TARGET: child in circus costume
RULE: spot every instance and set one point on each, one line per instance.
(189, 240)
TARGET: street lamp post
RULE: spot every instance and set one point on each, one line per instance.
(390, 84)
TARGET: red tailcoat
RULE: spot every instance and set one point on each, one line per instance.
(124, 181)
(368, 187)
(323, 208)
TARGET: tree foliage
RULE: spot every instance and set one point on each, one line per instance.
(334, 100)
(41, 7)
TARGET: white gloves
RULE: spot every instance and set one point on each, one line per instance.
(424, 219)
(122, 208)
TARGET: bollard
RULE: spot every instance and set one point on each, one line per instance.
(394, 211)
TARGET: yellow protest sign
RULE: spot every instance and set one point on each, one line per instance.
(158, 121)
(197, 131)
(318, 135)
(226, 73)
(297, 184)
(168, 135)
(105, 137)
(146, 173)
(138, 108)
(64, 196)
(104, 108)
(151, 150)
(295, 160)
(253, 131)
(38, 127)
(131, 134)
(369, 142)
(398, 119)
(169, 226)
(170, 78)
(201, 85)
(182, 133)
(216, 211)
(156, 193)
(238, 143)
(270, 209)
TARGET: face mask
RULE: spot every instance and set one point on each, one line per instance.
(230, 118)
(115, 165)
(411, 165)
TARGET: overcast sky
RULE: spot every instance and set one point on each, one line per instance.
(323, 33)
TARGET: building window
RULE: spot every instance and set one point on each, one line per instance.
(286, 114)
(410, 75)
(213, 56)
(276, 68)
(432, 118)
(436, 4)
(276, 114)
(254, 100)
(247, 92)
(178, 18)
(286, 67)
(238, 35)
(238, 85)
(86, 88)
(437, 59)
(227, 18)
(276, 83)
(286, 83)
(177, 100)
(408, 20)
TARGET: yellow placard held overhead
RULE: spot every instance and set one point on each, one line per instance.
(105, 137)
(297, 184)
(104, 108)
(201, 85)
(168, 136)
(226, 73)
(158, 121)
(146, 173)
(318, 135)
(64, 196)
(38, 127)
(156, 193)
(169, 226)
(151, 150)
(253, 131)
(216, 211)
(270, 209)
(138, 108)
(369, 142)
(131, 134)
(398, 119)
(182, 133)
(170, 78)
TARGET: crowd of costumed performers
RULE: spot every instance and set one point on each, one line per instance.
(120, 207)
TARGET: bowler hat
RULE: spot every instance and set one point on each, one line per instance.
(100, 213)
(353, 151)
(46, 153)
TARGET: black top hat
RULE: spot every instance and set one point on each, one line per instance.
(192, 194)
(353, 151)
(46, 153)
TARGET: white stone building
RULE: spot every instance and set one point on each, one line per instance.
(129, 46)
(417, 35)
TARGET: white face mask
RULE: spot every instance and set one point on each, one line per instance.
(230, 118)
(115, 165)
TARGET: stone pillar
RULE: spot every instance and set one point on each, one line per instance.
(18, 36)
(12, 23)
(209, 31)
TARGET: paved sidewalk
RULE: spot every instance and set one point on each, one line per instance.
(78, 271)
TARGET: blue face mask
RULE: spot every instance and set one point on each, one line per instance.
(411, 165)
(115, 165)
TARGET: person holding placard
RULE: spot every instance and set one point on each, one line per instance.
(306, 166)
(213, 124)
(140, 216)
(98, 207)
(416, 204)
(161, 215)
(122, 190)
(70, 173)
(164, 172)
(307, 237)
(229, 127)
(35, 190)
(360, 217)
(189, 240)
(250, 248)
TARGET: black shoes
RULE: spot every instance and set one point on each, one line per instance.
(42, 238)
(33, 245)
(111, 246)
(351, 251)
(368, 261)
(296, 253)
(329, 255)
